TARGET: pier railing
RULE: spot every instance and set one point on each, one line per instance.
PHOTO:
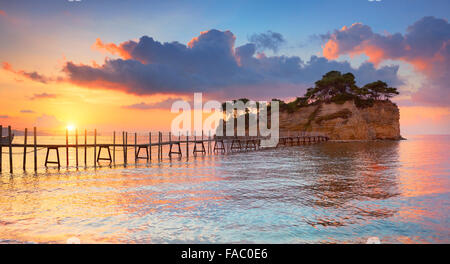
(174, 145)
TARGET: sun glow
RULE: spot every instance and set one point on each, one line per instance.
(70, 127)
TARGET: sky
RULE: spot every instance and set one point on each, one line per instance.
(115, 65)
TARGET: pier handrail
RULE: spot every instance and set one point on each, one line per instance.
(237, 142)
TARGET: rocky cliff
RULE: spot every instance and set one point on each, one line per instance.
(346, 121)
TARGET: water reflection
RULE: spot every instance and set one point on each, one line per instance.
(333, 192)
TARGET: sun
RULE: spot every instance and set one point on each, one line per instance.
(70, 127)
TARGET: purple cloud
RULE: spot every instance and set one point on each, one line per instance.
(26, 111)
(267, 40)
(43, 96)
(165, 104)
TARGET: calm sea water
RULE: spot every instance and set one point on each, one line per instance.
(324, 193)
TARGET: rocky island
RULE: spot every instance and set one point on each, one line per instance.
(337, 107)
(346, 121)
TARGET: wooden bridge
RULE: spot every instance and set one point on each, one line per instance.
(200, 145)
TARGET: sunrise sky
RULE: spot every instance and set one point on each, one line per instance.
(115, 65)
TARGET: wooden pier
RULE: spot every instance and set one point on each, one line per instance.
(106, 152)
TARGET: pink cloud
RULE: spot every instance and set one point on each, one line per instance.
(122, 50)
(34, 76)
(426, 46)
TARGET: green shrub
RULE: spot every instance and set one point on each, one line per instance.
(342, 98)
(364, 103)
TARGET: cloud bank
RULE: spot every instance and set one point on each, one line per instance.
(425, 45)
(210, 63)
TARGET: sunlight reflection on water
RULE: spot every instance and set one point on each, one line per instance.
(331, 192)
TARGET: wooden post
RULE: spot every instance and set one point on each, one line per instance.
(85, 147)
(123, 145)
(150, 144)
(76, 147)
(209, 142)
(126, 147)
(1, 151)
(187, 144)
(170, 144)
(159, 145)
(10, 150)
(135, 145)
(67, 148)
(95, 148)
(25, 149)
(35, 149)
(179, 142)
(114, 147)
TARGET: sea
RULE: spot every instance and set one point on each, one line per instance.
(332, 192)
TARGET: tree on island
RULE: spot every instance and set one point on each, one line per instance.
(332, 84)
(335, 87)
(377, 90)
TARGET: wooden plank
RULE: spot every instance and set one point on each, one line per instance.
(35, 148)
(25, 149)
(10, 150)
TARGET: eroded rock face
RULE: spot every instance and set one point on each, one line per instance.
(346, 121)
